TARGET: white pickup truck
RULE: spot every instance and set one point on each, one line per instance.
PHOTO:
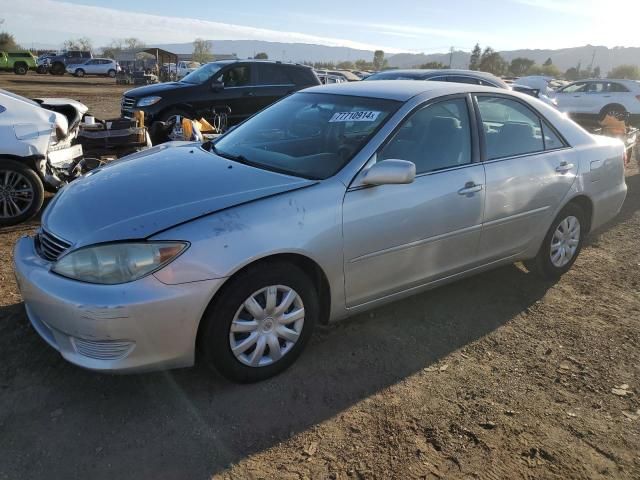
(182, 69)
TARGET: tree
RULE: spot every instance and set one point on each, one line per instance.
(492, 62)
(345, 66)
(202, 51)
(572, 74)
(520, 66)
(117, 45)
(261, 56)
(378, 60)
(474, 61)
(363, 65)
(629, 72)
(547, 71)
(7, 42)
(82, 43)
(548, 63)
(433, 65)
(597, 73)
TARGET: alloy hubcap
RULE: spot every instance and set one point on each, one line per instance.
(267, 326)
(564, 242)
(16, 194)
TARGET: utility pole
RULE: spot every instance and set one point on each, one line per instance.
(451, 50)
(593, 58)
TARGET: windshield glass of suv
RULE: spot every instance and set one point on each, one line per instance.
(310, 135)
(202, 74)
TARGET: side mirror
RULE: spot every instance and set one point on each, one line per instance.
(217, 86)
(390, 172)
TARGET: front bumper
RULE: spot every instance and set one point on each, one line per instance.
(138, 326)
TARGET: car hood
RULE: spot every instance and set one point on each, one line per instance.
(156, 89)
(157, 189)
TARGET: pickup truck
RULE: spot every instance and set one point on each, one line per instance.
(17, 62)
(58, 64)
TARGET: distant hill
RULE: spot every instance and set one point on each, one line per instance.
(606, 58)
(565, 58)
(291, 52)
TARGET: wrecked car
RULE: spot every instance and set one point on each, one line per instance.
(37, 151)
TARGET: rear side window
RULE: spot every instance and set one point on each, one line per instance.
(510, 128)
(575, 88)
(617, 88)
(272, 74)
(433, 138)
(461, 79)
(301, 76)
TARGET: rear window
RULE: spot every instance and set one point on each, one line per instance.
(272, 74)
(302, 75)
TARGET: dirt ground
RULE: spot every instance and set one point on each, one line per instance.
(500, 376)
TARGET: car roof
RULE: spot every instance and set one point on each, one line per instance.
(254, 60)
(427, 73)
(400, 90)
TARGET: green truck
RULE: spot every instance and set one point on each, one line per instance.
(17, 62)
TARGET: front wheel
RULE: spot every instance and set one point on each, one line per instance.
(21, 193)
(561, 245)
(79, 73)
(261, 322)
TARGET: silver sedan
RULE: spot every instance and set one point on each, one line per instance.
(332, 201)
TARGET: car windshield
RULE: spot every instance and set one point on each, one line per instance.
(310, 135)
(202, 74)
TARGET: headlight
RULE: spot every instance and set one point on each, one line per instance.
(115, 263)
(147, 101)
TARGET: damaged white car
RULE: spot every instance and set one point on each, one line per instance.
(37, 151)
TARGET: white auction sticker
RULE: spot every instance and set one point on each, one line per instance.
(354, 117)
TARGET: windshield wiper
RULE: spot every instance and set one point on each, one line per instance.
(236, 158)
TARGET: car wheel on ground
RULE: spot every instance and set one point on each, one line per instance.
(20, 69)
(112, 73)
(172, 112)
(260, 323)
(561, 245)
(21, 193)
(57, 69)
(79, 73)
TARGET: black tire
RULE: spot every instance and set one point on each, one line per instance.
(111, 73)
(28, 178)
(20, 68)
(57, 69)
(615, 110)
(542, 264)
(214, 342)
(42, 69)
(79, 72)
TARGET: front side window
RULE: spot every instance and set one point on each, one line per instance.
(596, 87)
(433, 138)
(510, 128)
(309, 135)
(237, 77)
(579, 87)
(203, 74)
(462, 79)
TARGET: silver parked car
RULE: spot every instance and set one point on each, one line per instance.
(332, 201)
(95, 66)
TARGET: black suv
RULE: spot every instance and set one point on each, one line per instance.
(242, 87)
(58, 64)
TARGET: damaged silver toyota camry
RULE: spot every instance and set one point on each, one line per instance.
(332, 201)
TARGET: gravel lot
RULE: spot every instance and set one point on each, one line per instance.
(497, 376)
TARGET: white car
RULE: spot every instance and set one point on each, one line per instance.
(36, 150)
(589, 98)
(95, 66)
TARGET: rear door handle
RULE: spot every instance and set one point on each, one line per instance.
(564, 167)
(249, 94)
(470, 188)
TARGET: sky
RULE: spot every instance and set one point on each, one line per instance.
(394, 26)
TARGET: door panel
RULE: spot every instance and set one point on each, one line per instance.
(400, 236)
(522, 195)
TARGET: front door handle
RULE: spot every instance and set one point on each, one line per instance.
(564, 167)
(470, 188)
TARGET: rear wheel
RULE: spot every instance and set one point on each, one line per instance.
(20, 69)
(57, 69)
(21, 193)
(112, 73)
(561, 245)
(260, 323)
